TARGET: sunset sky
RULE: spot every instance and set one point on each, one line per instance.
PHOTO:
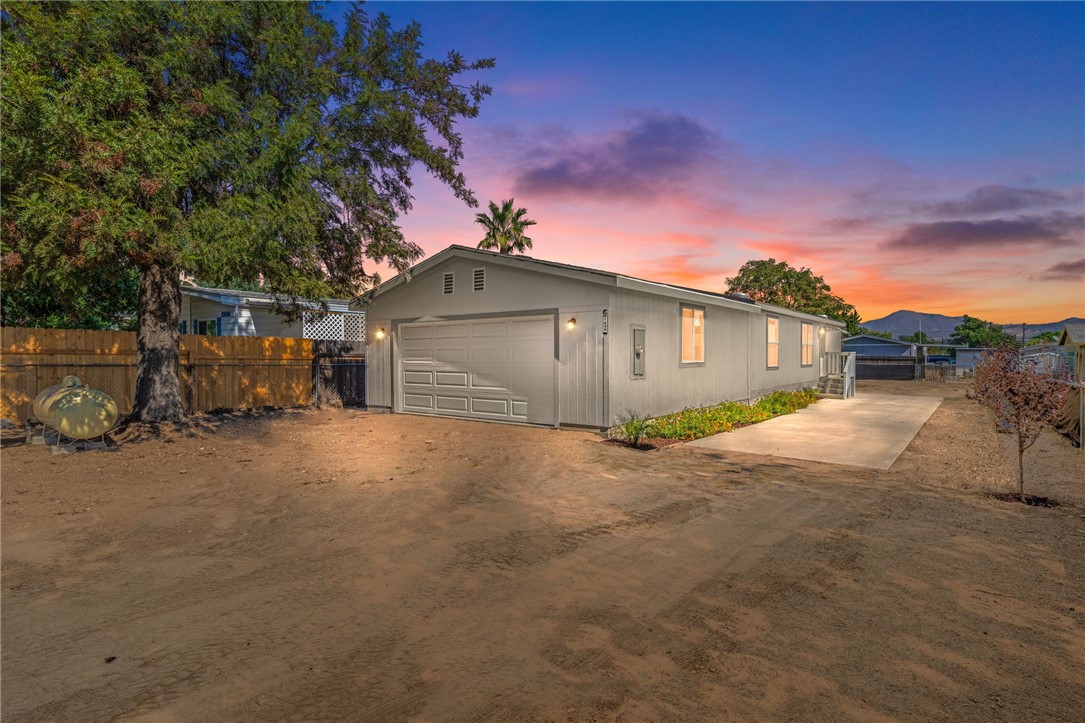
(918, 156)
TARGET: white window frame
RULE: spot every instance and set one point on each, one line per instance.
(807, 346)
(698, 314)
(772, 342)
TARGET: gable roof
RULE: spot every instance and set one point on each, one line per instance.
(1072, 335)
(233, 297)
(883, 339)
(584, 273)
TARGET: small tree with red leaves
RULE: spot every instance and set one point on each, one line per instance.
(1023, 398)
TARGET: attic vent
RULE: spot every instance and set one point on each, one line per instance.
(480, 280)
(450, 282)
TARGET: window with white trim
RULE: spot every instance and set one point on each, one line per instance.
(807, 345)
(692, 335)
(772, 348)
(206, 327)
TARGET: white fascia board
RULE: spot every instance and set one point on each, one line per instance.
(650, 287)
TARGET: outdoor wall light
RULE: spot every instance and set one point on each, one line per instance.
(571, 323)
(380, 333)
(821, 330)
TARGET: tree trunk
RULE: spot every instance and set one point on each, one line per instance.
(158, 387)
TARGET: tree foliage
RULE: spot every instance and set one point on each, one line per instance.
(920, 337)
(227, 141)
(1023, 398)
(975, 332)
(871, 332)
(777, 282)
(1044, 337)
(505, 226)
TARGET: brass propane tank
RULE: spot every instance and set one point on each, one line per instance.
(74, 410)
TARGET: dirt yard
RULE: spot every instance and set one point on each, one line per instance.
(342, 565)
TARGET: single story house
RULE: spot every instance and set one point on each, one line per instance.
(226, 312)
(477, 334)
(869, 345)
(968, 357)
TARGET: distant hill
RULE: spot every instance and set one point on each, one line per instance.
(939, 326)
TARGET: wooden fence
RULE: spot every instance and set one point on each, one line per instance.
(223, 372)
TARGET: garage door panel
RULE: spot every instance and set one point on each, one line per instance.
(488, 405)
(451, 331)
(417, 332)
(451, 379)
(452, 404)
(417, 355)
(531, 354)
(492, 369)
(490, 354)
(417, 401)
(451, 354)
(489, 380)
(490, 328)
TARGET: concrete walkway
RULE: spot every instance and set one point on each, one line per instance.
(869, 430)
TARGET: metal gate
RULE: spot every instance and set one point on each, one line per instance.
(339, 373)
(887, 367)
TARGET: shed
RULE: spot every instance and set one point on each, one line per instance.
(228, 312)
(477, 334)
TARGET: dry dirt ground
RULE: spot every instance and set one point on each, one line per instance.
(330, 565)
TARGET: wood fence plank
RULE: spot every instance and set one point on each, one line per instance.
(215, 372)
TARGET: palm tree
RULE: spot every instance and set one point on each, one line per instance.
(505, 228)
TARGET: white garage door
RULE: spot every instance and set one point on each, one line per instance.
(484, 368)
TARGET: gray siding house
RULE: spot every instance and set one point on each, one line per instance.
(227, 312)
(483, 335)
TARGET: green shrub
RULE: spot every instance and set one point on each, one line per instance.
(633, 426)
(700, 422)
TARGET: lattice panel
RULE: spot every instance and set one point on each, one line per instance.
(333, 326)
(354, 327)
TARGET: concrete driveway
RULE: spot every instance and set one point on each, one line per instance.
(870, 430)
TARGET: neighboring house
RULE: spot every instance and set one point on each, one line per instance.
(510, 338)
(1071, 420)
(967, 358)
(868, 345)
(225, 312)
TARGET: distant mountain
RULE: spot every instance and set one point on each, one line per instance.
(939, 326)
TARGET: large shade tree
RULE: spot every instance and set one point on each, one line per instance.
(505, 226)
(778, 282)
(237, 141)
(976, 332)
